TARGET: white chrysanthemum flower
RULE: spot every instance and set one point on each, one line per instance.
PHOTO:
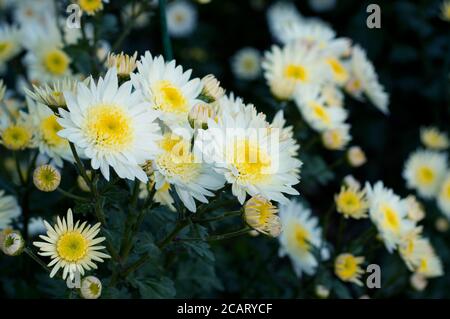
(46, 60)
(16, 134)
(181, 18)
(191, 178)
(9, 209)
(314, 33)
(347, 267)
(45, 129)
(71, 246)
(424, 260)
(322, 5)
(281, 15)
(246, 64)
(112, 126)
(363, 79)
(389, 214)
(255, 158)
(312, 105)
(167, 88)
(434, 139)
(301, 238)
(9, 44)
(352, 202)
(410, 241)
(336, 139)
(443, 198)
(91, 288)
(424, 171)
(34, 12)
(292, 66)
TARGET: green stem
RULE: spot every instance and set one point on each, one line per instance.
(233, 234)
(80, 166)
(165, 34)
(218, 218)
(70, 195)
(179, 227)
(19, 170)
(33, 256)
(340, 232)
(32, 165)
(237, 233)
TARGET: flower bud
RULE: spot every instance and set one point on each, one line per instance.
(91, 287)
(82, 183)
(11, 242)
(322, 291)
(200, 114)
(124, 63)
(414, 208)
(261, 215)
(46, 178)
(356, 156)
(418, 281)
(442, 225)
(212, 91)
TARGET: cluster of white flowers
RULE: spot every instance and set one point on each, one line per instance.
(426, 170)
(314, 67)
(396, 221)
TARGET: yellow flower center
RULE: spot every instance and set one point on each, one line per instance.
(391, 219)
(349, 202)
(50, 128)
(320, 112)
(109, 127)
(94, 289)
(56, 62)
(5, 48)
(169, 98)
(72, 246)
(249, 64)
(91, 6)
(300, 238)
(16, 137)
(296, 72)
(177, 160)
(339, 72)
(252, 163)
(425, 175)
(347, 267)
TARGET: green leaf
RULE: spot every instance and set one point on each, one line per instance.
(156, 288)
